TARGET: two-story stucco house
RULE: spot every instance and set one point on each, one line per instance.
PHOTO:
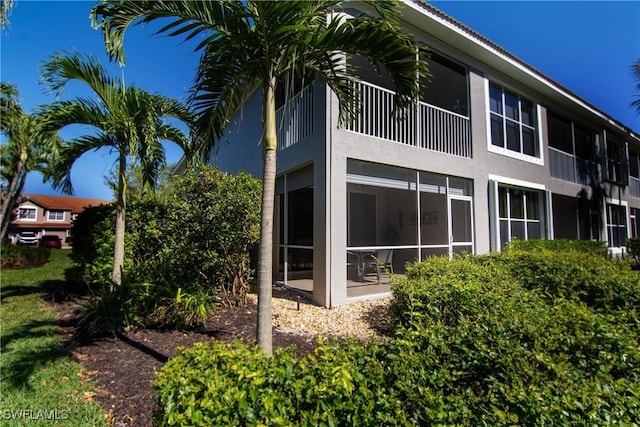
(50, 215)
(494, 150)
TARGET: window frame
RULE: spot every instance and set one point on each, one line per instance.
(615, 170)
(526, 220)
(609, 226)
(30, 209)
(636, 164)
(55, 219)
(504, 119)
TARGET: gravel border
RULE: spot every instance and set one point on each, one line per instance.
(297, 315)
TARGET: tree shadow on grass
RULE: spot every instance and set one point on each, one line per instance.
(12, 291)
(33, 345)
(28, 348)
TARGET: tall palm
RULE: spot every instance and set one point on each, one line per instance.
(26, 149)
(128, 120)
(251, 44)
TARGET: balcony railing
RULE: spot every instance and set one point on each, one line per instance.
(634, 186)
(570, 168)
(294, 120)
(424, 126)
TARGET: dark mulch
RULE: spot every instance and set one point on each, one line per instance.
(124, 366)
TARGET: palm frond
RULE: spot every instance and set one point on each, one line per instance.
(60, 171)
(189, 19)
(635, 69)
(79, 111)
(68, 65)
(10, 108)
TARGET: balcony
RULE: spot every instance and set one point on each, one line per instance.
(424, 126)
(568, 167)
(294, 120)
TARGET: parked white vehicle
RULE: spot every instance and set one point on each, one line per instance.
(27, 238)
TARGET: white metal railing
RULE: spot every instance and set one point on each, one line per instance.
(294, 120)
(567, 167)
(424, 126)
(562, 165)
(634, 186)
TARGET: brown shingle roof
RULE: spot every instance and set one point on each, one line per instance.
(75, 204)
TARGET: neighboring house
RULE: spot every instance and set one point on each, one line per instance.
(494, 150)
(48, 215)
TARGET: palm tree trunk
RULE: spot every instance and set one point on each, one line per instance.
(121, 207)
(264, 332)
(15, 188)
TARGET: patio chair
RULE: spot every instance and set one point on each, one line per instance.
(380, 261)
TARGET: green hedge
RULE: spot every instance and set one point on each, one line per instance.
(474, 344)
(217, 384)
(559, 245)
(633, 247)
(600, 283)
(20, 256)
(184, 252)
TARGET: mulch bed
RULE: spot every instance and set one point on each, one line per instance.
(123, 367)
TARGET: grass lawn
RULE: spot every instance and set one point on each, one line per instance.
(38, 377)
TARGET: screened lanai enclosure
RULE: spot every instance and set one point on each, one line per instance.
(397, 215)
(394, 216)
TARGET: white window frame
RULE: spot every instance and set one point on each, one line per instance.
(28, 208)
(536, 129)
(56, 211)
(617, 203)
(500, 181)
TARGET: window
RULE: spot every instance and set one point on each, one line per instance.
(362, 69)
(615, 164)
(448, 86)
(55, 215)
(634, 165)
(571, 150)
(616, 225)
(560, 133)
(512, 122)
(27, 214)
(520, 214)
(634, 174)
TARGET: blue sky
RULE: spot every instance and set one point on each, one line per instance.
(587, 46)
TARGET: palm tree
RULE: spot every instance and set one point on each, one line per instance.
(128, 120)
(635, 69)
(5, 11)
(249, 45)
(27, 149)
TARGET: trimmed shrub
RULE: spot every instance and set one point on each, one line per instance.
(600, 283)
(20, 256)
(472, 346)
(559, 245)
(484, 350)
(217, 384)
(190, 250)
(633, 248)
